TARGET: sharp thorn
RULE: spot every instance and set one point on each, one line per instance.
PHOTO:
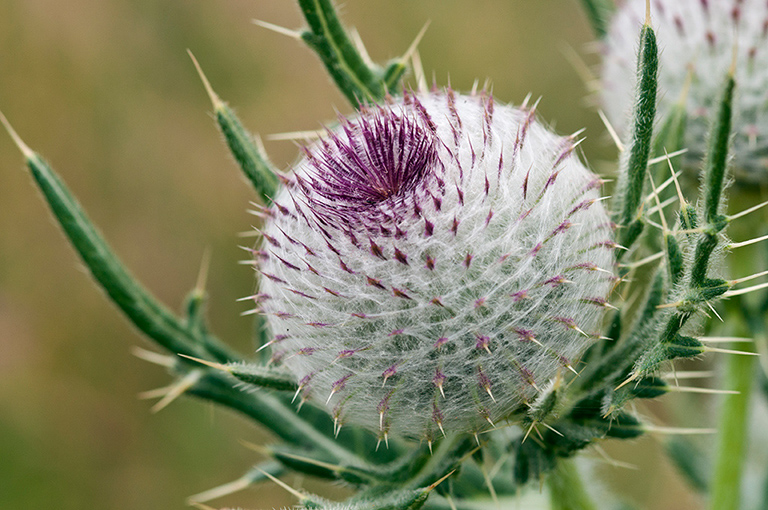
(747, 211)
(178, 389)
(659, 159)
(693, 389)
(284, 485)
(202, 275)
(441, 480)
(691, 374)
(732, 293)
(296, 135)
(628, 380)
(220, 491)
(24, 148)
(215, 99)
(415, 44)
(294, 34)
(153, 357)
(728, 351)
(207, 363)
(748, 278)
(677, 430)
(723, 339)
(733, 246)
(611, 131)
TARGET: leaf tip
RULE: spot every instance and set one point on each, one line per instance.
(648, 13)
(215, 99)
(28, 153)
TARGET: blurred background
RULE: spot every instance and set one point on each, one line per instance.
(106, 92)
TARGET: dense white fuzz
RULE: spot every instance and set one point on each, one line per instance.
(433, 263)
(697, 39)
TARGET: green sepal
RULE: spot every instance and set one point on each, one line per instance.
(599, 13)
(689, 218)
(544, 405)
(531, 461)
(393, 75)
(248, 153)
(262, 377)
(704, 248)
(359, 82)
(690, 461)
(682, 347)
(634, 167)
(647, 387)
(408, 499)
(624, 426)
(675, 262)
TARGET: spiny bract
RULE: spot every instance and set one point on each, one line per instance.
(432, 263)
(697, 39)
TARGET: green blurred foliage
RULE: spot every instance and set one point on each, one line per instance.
(106, 92)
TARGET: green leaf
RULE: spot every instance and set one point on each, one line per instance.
(245, 147)
(633, 168)
(674, 259)
(253, 375)
(327, 37)
(717, 153)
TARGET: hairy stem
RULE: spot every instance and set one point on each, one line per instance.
(732, 438)
(566, 488)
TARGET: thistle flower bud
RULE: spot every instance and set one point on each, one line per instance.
(432, 263)
(697, 39)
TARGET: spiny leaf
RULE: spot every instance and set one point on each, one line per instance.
(254, 375)
(634, 167)
(717, 154)
(327, 37)
(245, 147)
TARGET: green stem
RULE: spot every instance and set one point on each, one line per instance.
(732, 439)
(566, 488)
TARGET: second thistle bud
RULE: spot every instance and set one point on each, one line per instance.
(699, 42)
(434, 262)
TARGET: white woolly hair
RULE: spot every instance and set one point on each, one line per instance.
(470, 270)
(697, 39)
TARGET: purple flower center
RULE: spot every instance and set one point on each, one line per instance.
(371, 168)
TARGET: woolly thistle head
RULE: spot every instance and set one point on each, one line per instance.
(697, 39)
(431, 264)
